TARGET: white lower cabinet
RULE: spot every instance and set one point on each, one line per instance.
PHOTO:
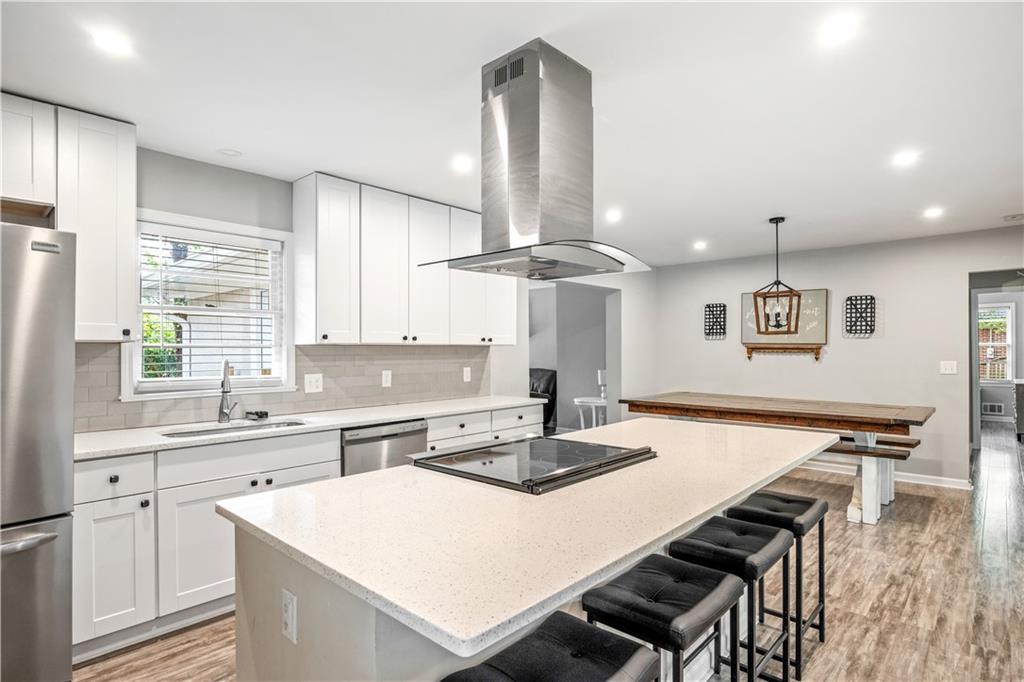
(283, 478)
(113, 565)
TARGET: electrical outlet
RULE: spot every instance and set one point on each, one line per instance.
(385, 378)
(947, 367)
(314, 383)
(289, 616)
(467, 373)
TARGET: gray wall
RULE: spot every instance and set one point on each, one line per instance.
(543, 332)
(581, 329)
(179, 185)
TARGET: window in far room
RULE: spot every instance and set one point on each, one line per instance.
(995, 341)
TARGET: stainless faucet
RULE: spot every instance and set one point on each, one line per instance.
(224, 413)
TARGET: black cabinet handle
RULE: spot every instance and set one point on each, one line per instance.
(405, 338)
(126, 332)
(462, 426)
(270, 481)
(114, 478)
(144, 504)
(414, 338)
(323, 336)
(254, 483)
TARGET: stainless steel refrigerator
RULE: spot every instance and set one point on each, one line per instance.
(37, 374)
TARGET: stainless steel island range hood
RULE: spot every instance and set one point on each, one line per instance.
(537, 171)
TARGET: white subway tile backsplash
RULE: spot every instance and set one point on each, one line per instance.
(351, 379)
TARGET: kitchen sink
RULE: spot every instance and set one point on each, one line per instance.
(234, 428)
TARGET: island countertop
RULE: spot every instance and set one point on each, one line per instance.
(465, 564)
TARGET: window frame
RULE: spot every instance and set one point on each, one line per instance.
(1011, 342)
(163, 222)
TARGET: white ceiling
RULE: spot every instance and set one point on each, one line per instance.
(709, 117)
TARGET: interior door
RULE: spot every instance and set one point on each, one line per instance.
(197, 545)
(114, 565)
(35, 580)
(429, 289)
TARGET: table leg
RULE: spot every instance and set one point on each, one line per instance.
(593, 415)
(866, 505)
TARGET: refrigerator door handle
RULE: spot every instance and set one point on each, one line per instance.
(25, 544)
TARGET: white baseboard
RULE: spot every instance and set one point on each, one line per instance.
(902, 476)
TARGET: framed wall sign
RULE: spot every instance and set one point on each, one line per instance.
(859, 317)
(714, 321)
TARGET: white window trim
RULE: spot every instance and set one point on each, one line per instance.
(167, 222)
(1011, 344)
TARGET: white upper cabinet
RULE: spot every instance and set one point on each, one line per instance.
(483, 307)
(29, 151)
(96, 200)
(429, 313)
(325, 219)
(385, 260)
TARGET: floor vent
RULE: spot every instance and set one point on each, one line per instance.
(992, 408)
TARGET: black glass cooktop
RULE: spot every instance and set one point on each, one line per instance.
(536, 465)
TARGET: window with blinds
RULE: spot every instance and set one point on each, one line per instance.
(204, 298)
(995, 342)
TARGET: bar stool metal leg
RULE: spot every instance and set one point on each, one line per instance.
(677, 665)
(821, 580)
(785, 618)
(799, 606)
(718, 647)
(734, 643)
(751, 634)
(760, 600)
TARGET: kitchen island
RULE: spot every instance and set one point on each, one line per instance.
(409, 573)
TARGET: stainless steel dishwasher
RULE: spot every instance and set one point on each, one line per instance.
(381, 447)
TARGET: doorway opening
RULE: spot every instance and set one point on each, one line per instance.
(997, 357)
(575, 353)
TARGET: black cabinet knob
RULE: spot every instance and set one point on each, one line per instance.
(270, 481)
(414, 338)
(114, 478)
(433, 447)
(126, 332)
(144, 504)
(496, 437)
(483, 338)
(405, 338)
(254, 483)
(519, 417)
(323, 336)
(489, 340)
(462, 426)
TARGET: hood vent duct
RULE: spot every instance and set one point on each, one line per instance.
(537, 171)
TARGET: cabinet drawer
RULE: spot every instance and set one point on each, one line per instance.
(518, 432)
(240, 458)
(476, 439)
(516, 416)
(103, 479)
(440, 428)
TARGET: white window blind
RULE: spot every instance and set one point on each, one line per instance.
(206, 297)
(995, 342)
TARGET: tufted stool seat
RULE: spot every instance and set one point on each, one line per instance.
(670, 604)
(746, 550)
(799, 515)
(566, 648)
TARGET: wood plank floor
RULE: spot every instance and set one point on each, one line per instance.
(934, 592)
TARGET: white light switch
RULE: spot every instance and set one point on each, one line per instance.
(947, 367)
(289, 616)
(385, 378)
(314, 383)
(467, 373)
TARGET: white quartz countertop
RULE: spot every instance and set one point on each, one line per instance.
(465, 563)
(98, 444)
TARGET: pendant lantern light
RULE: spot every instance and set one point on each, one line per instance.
(777, 305)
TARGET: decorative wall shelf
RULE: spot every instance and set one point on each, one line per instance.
(811, 348)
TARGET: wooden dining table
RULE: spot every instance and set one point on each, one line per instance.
(878, 435)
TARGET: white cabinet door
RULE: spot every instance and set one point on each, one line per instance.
(113, 565)
(283, 478)
(29, 151)
(337, 271)
(429, 297)
(501, 307)
(468, 289)
(96, 200)
(385, 266)
(196, 546)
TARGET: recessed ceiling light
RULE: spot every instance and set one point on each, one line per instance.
(613, 215)
(111, 41)
(838, 29)
(462, 163)
(230, 152)
(905, 158)
(934, 212)
(700, 245)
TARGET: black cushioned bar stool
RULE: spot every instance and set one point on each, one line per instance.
(670, 603)
(746, 550)
(566, 648)
(799, 515)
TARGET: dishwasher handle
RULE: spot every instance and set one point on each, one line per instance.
(354, 436)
